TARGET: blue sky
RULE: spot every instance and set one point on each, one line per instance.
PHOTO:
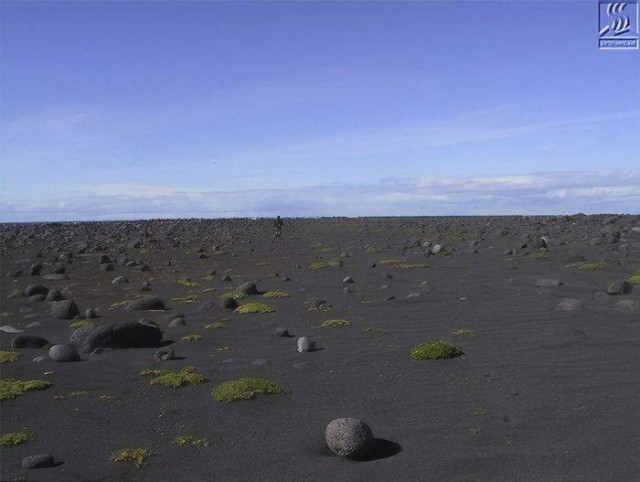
(114, 110)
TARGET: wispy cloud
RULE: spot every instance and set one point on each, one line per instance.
(540, 193)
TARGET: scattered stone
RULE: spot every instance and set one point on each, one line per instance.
(436, 248)
(35, 269)
(304, 344)
(248, 288)
(64, 353)
(146, 304)
(348, 280)
(164, 355)
(228, 302)
(54, 295)
(29, 341)
(106, 267)
(347, 290)
(119, 280)
(90, 313)
(178, 321)
(39, 461)
(36, 290)
(282, 332)
(349, 437)
(64, 310)
(547, 283)
(620, 288)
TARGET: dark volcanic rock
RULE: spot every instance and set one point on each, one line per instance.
(283, 332)
(64, 353)
(28, 341)
(248, 288)
(35, 269)
(39, 461)
(228, 302)
(146, 304)
(54, 295)
(132, 334)
(36, 298)
(64, 310)
(620, 288)
(36, 290)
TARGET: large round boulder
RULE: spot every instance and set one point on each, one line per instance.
(349, 437)
(64, 310)
(131, 334)
(64, 353)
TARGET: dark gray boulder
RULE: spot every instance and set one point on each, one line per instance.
(54, 295)
(64, 353)
(36, 290)
(620, 288)
(228, 302)
(349, 437)
(248, 288)
(146, 304)
(131, 334)
(39, 461)
(64, 310)
(28, 341)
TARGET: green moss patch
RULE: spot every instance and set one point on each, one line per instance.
(183, 440)
(12, 439)
(183, 300)
(276, 294)
(539, 255)
(392, 261)
(634, 280)
(321, 264)
(9, 356)
(335, 323)
(188, 283)
(137, 455)
(254, 307)
(216, 325)
(411, 265)
(435, 350)
(10, 388)
(166, 378)
(82, 324)
(374, 250)
(246, 389)
(592, 266)
(192, 337)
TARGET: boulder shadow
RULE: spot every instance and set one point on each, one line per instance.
(381, 449)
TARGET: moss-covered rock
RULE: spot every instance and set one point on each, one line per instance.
(136, 455)
(254, 307)
(435, 350)
(335, 323)
(166, 378)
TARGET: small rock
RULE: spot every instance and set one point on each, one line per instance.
(349, 437)
(304, 344)
(35, 269)
(64, 310)
(106, 267)
(164, 355)
(39, 461)
(146, 304)
(283, 332)
(119, 280)
(228, 302)
(620, 288)
(35, 290)
(348, 280)
(64, 353)
(9, 329)
(54, 295)
(436, 248)
(547, 283)
(248, 288)
(90, 313)
(178, 321)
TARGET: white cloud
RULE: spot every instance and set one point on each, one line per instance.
(540, 193)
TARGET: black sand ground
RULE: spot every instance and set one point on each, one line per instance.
(541, 394)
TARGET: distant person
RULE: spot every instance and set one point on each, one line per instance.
(278, 223)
